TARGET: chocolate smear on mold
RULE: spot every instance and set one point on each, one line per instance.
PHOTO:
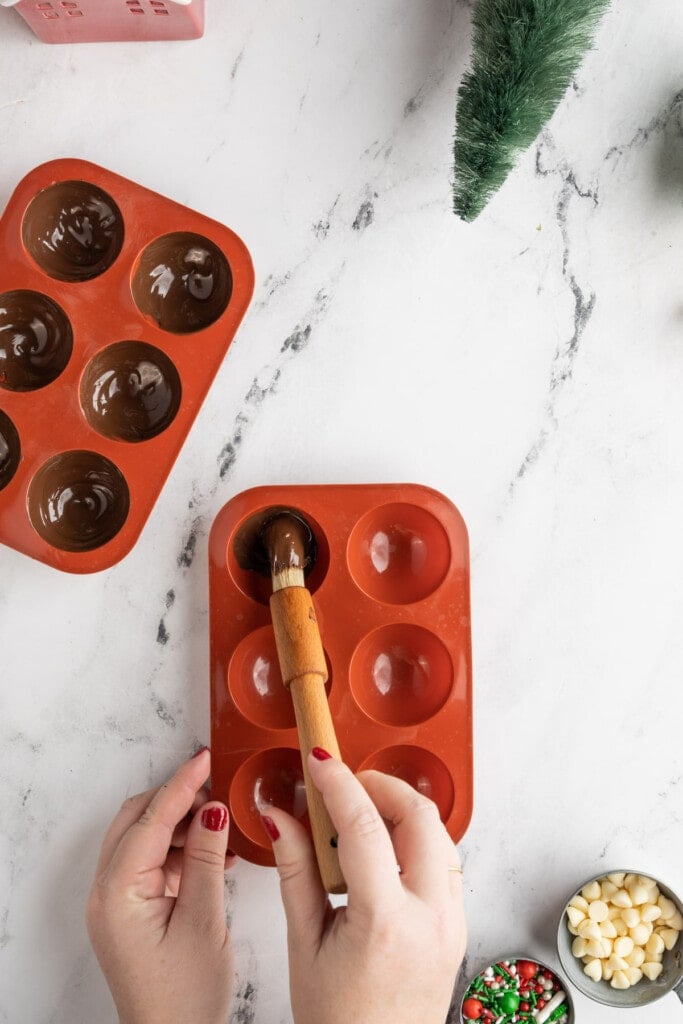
(131, 391)
(78, 501)
(183, 282)
(10, 449)
(273, 540)
(73, 230)
(35, 340)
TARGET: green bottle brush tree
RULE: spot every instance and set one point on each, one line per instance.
(524, 53)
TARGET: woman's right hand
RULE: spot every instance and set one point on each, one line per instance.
(392, 954)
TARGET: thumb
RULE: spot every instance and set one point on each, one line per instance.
(201, 889)
(303, 896)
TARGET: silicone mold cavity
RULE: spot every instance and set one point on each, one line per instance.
(35, 340)
(398, 553)
(401, 674)
(397, 645)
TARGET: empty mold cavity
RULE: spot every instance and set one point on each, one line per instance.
(248, 564)
(271, 776)
(10, 449)
(398, 553)
(401, 674)
(182, 282)
(421, 769)
(78, 500)
(36, 340)
(255, 682)
(73, 230)
(130, 391)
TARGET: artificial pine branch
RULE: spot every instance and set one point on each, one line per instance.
(524, 53)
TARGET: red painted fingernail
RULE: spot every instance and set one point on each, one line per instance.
(320, 755)
(270, 827)
(198, 752)
(215, 818)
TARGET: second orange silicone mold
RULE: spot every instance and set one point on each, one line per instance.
(390, 585)
(117, 307)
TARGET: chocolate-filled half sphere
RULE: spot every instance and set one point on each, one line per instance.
(78, 501)
(183, 282)
(35, 340)
(10, 449)
(130, 391)
(73, 230)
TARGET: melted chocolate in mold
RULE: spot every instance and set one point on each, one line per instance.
(10, 449)
(78, 501)
(131, 391)
(35, 340)
(274, 539)
(73, 230)
(183, 282)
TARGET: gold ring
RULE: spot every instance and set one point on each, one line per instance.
(458, 870)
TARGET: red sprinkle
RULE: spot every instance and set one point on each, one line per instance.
(540, 1004)
(524, 1007)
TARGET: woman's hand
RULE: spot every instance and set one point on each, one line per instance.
(391, 956)
(156, 909)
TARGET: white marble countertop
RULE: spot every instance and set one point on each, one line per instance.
(530, 366)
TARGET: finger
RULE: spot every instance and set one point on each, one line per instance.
(366, 854)
(200, 893)
(422, 845)
(173, 869)
(143, 849)
(131, 810)
(303, 896)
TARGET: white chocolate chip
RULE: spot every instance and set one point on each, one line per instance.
(630, 916)
(580, 903)
(607, 890)
(655, 944)
(589, 929)
(576, 916)
(593, 969)
(617, 877)
(619, 980)
(591, 891)
(617, 963)
(668, 907)
(607, 929)
(652, 970)
(636, 958)
(650, 912)
(641, 933)
(620, 926)
(623, 945)
(676, 921)
(634, 974)
(621, 899)
(594, 947)
(598, 911)
(579, 947)
(639, 894)
(670, 936)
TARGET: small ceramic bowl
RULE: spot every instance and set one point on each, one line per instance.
(644, 991)
(495, 995)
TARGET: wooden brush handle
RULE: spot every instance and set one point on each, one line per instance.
(304, 672)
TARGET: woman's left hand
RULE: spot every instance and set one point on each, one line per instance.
(156, 914)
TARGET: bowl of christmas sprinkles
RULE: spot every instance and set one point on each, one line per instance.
(619, 939)
(517, 990)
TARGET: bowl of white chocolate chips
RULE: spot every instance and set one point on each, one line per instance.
(619, 939)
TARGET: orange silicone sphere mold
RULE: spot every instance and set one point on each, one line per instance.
(84, 368)
(401, 674)
(398, 553)
(394, 618)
